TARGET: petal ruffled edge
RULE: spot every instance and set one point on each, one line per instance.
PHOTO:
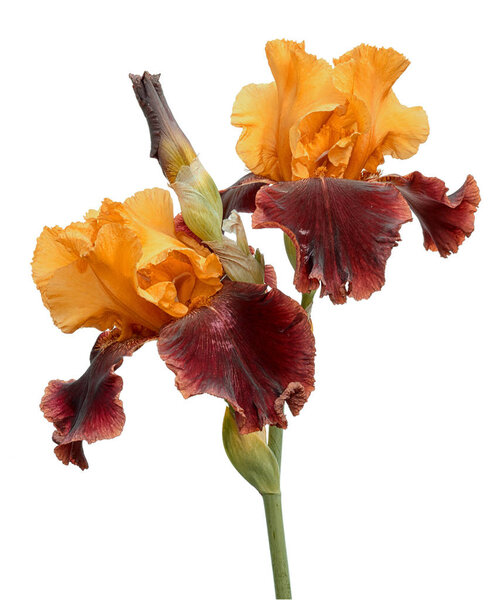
(89, 408)
(251, 346)
(343, 231)
(446, 220)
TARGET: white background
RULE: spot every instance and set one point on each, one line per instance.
(390, 474)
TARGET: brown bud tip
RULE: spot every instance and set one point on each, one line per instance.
(168, 142)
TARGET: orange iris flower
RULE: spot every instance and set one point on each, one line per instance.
(124, 266)
(314, 139)
(134, 272)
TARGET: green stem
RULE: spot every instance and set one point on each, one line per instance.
(275, 442)
(275, 526)
(277, 543)
(307, 301)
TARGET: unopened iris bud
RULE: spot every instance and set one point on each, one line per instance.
(251, 456)
(198, 195)
(236, 257)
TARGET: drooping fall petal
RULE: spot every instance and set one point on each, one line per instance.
(248, 345)
(240, 196)
(343, 231)
(89, 408)
(368, 74)
(446, 220)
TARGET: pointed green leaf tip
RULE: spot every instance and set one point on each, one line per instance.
(251, 456)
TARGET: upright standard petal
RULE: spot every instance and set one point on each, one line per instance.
(89, 409)
(446, 220)
(343, 231)
(253, 347)
(368, 74)
(269, 113)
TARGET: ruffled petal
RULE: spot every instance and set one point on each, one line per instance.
(240, 196)
(57, 248)
(248, 345)
(368, 74)
(343, 231)
(256, 111)
(89, 408)
(269, 113)
(446, 220)
(99, 288)
(326, 140)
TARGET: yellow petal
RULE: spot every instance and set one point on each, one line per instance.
(326, 140)
(368, 74)
(268, 114)
(99, 289)
(192, 276)
(256, 111)
(56, 248)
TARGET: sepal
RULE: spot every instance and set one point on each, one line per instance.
(251, 456)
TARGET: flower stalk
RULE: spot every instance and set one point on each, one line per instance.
(277, 543)
(275, 525)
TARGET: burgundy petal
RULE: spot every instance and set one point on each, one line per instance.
(240, 196)
(247, 346)
(343, 231)
(446, 220)
(270, 276)
(89, 408)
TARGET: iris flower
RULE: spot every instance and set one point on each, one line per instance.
(134, 272)
(314, 140)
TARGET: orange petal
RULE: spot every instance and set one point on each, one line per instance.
(326, 140)
(368, 73)
(56, 248)
(99, 289)
(269, 114)
(256, 111)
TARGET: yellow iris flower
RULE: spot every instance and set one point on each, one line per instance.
(316, 119)
(124, 266)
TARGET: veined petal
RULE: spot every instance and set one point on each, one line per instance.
(89, 409)
(368, 74)
(99, 289)
(256, 111)
(240, 196)
(57, 248)
(268, 113)
(325, 140)
(247, 345)
(446, 220)
(343, 231)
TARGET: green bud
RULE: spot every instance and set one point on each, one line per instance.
(200, 201)
(234, 224)
(290, 250)
(235, 256)
(198, 195)
(251, 456)
(238, 265)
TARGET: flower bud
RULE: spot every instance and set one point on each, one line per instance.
(250, 455)
(236, 258)
(198, 195)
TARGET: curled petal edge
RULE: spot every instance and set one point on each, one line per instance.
(89, 408)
